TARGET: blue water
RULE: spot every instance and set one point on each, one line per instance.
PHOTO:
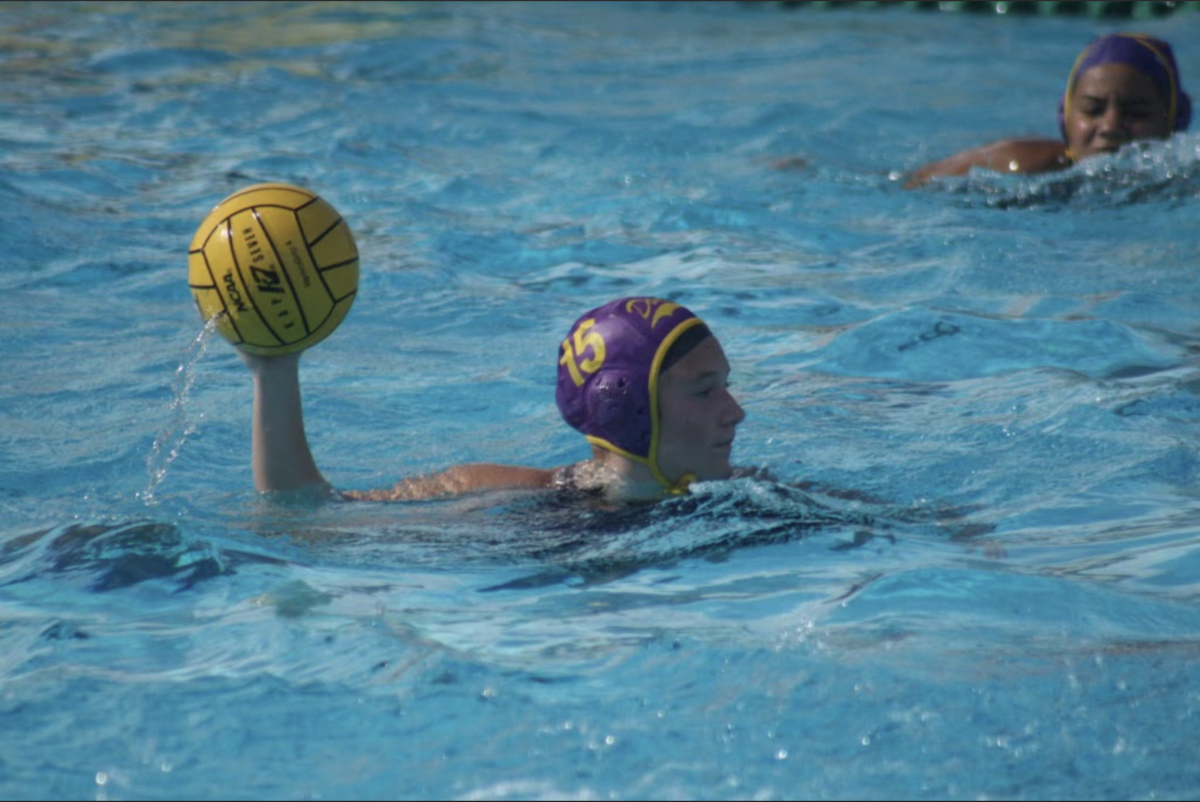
(976, 575)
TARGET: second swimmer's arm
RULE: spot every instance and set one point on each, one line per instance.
(1007, 156)
(281, 456)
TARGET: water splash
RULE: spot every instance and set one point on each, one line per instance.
(1148, 171)
(169, 442)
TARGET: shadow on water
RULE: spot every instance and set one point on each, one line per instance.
(116, 556)
(559, 538)
(601, 544)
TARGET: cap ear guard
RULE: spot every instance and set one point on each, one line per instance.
(617, 416)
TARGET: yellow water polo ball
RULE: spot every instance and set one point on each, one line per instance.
(276, 265)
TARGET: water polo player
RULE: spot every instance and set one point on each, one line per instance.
(1123, 88)
(643, 379)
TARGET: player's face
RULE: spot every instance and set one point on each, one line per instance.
(1112, 105)
(698, 415)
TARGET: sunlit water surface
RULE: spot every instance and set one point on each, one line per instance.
(1000, 372)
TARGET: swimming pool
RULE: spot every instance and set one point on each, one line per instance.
(1007, 365)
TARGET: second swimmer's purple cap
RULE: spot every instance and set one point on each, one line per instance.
(1150, 56)
(608, 370)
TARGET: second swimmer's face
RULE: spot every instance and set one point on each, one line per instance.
(698, 415)
(1114, 104)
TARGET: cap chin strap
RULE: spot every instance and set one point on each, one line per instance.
(680, 488)
(677, 488)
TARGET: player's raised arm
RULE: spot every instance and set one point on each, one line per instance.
(281, 456)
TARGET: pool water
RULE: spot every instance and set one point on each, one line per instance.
(975, 572)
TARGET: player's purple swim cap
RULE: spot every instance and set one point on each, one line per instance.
(1149, 56)
(608, 371)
